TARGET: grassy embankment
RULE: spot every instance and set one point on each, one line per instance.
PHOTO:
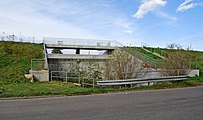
(15, 62)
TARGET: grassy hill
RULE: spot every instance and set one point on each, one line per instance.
(139, 49)
(15, 60)
(198, 62)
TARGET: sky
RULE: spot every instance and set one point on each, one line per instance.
(153, 23)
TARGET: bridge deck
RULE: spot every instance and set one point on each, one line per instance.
(80, 47)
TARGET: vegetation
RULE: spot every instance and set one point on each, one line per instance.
(197, 61)
(56, 51)
(15, 60)
(123, 66)
(63, 88)
(179, 60)
(131, 50)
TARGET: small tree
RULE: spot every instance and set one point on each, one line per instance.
(122, 65)
(56, 51)
(179, 61)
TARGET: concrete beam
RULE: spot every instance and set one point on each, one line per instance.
(84, 47)
(67, 56)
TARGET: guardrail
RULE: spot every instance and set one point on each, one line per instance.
(140, 81)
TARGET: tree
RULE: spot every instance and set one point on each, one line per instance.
(179, 62)
(56, 51)
(122, 65)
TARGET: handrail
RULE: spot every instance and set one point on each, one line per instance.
(45, 57)
(153, 62)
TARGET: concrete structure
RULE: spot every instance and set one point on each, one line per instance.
(40, 75)
(77, 61)
(193, 73)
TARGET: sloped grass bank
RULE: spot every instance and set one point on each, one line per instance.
(15, 60)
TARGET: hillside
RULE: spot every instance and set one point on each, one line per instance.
(15, 60)
(197, 63)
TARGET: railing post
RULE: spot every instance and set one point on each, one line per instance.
(78, 78)
(66, 77)
(83, 83)
(93, 83)
(51, 75)
(31, 65)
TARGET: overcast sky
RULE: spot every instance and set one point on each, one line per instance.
(155, 23)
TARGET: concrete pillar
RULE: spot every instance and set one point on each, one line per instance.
(77, 51)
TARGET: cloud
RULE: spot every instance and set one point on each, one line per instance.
(34, 22)
(77, 19)
(167, 16)
(147, 6)
(187, 4)
(124, 25)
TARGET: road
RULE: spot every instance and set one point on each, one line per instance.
(168, 104)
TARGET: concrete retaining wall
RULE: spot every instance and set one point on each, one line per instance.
(40, 75)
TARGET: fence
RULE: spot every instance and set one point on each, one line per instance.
(154, 63)
(37, 64)
(65, 76)
(74, 77)
(19, 38)
(79, 41)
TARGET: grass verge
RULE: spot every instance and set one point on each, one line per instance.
(60, 88)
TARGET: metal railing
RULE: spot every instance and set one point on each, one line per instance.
(65, 76)
(37, 64)
(45, 57)
(153, 62)
(79, 41)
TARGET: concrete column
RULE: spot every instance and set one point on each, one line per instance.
(77, 51)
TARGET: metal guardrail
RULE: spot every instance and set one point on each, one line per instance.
(140, 81)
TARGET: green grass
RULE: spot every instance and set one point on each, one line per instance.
(198, 54)
(15, 60)
(62, 88)
(132, 49)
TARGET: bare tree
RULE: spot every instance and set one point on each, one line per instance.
(179, 62)
(122, 65)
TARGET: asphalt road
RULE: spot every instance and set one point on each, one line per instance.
(173, 104)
